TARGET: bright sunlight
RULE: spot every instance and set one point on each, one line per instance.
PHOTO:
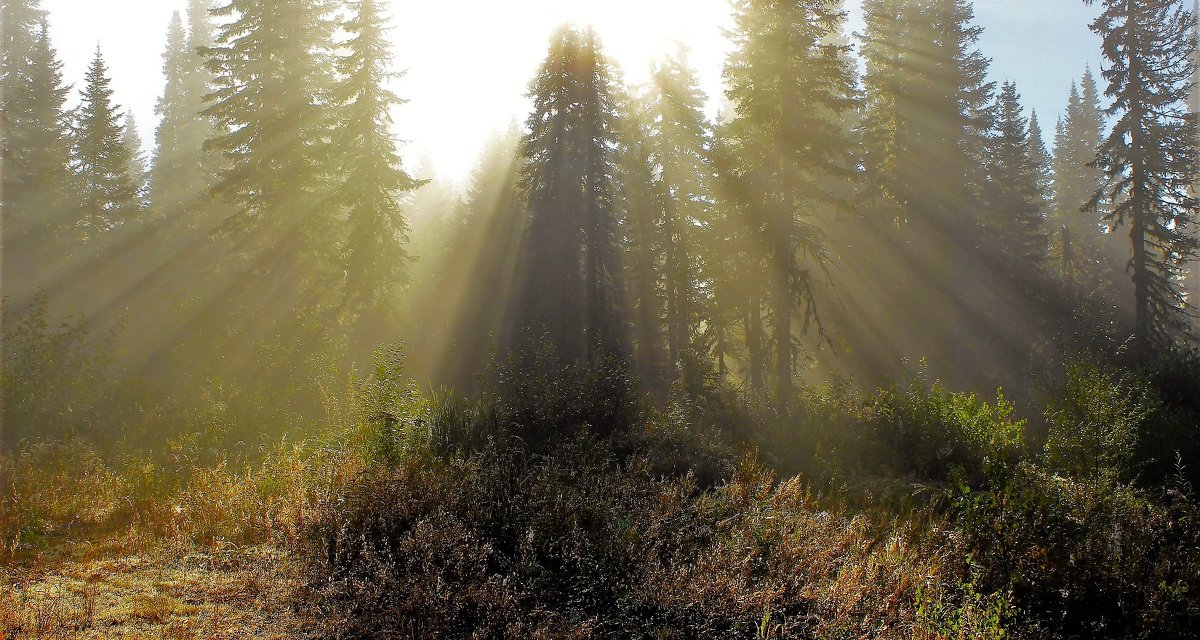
(747, 319)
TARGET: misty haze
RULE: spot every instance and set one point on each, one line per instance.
(752, 319)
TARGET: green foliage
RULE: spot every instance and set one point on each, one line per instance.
(792, 84)
(1150, 157)
(101, 159)
(570, 291)
(544, 398)
(1086, 558)
(940, 434)
(50, 371)
(1172, 434)
(182, 171)
(1096, 423)
(967, 614)
(36, 188)
(1014, 222)
(372, 255)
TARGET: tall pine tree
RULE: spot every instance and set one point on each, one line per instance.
(101, 159)
(571, 281)
(1077, 246)
(274, 75)
(35, 184)
(1014, 195)
(182, 169)
(1039, 157)
(1150, 158)
(790, 86)
(680, 141)
(640, 205)
(925, 129)
(132, 139)
(372, 256)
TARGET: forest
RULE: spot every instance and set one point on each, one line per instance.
(869, 351)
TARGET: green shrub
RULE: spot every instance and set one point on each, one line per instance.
(1173, 432)
(1096, 423)
(938, 435)
(1086, 557)
(52, 374)
(544, 400)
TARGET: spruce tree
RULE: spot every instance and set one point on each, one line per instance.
(478, 259)
(35, 184)
(733, 268)
(101, 159)
(179, 174)
(1014, 196)
(790, 86)
(1078, 245)
(1150, 157)
(680, 141)
(199, 83)
(132, 139)
(372, 255)
(273, 74)
(1039, 157)
(571, 280)
(640, 206)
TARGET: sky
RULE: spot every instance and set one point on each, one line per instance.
(469, 62)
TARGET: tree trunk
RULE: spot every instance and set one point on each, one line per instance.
(784, 305)
(754, 346)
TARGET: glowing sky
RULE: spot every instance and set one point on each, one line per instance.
(469, 61)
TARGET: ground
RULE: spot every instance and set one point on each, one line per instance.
(119, 591)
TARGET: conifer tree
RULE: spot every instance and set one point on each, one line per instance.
(1078, 245)
(273, 74)
(1042, 163)
(101, 159)
(199, 83)
(1014, 197)
(640, 205)
(35, 183)
(1150, 158)
(789, 86)
(571, 287)
(132, 139)
(479, 258)
(180, 163)
(733, 268)
(925, 130)
(927, 117)
(680, 141)
(372, 256)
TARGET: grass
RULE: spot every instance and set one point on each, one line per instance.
(241, 593)
(918, 514)
(130, 549)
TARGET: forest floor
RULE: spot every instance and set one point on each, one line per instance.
(122, 591)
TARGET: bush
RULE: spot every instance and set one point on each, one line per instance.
(1173, 431)
(50, 373)
(1086, 557)
(1096, 423)
(579, 540)
(939, 435)
(545, 400)
(51, 489)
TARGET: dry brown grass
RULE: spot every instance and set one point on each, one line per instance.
(235, 593)
(90, 549)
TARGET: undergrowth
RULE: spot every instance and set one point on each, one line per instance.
(910, 512)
